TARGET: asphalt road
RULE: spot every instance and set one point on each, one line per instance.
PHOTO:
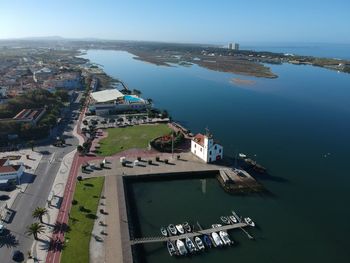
(36, 193)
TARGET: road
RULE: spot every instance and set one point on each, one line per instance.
(37, 192)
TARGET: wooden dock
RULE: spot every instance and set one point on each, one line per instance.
(183, 236)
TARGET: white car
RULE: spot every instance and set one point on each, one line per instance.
(2, 228)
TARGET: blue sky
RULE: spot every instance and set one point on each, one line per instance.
(204, 21)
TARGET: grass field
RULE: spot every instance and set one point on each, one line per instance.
(121, 139)
(81, 221)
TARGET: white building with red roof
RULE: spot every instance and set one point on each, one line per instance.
(9, 171)
(206, 149)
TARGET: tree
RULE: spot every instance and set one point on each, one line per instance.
(39, 212)
(62, 94)
(136, 92)
(80, 149)
(35, 229)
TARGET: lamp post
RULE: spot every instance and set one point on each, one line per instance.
(172, 145)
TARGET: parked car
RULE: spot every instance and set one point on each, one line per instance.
(2, 229)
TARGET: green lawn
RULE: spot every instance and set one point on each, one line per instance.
(120, 139)
(87, 193)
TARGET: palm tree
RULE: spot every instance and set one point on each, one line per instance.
(80, 149)
(39, 212)
(35, 229)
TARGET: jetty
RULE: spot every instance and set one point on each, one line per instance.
(144, 240)
(237, 181)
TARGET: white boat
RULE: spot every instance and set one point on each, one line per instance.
(190, 245)
(225, 238)
(180, 229)
(187, 227)
(199, 243)
(164, 231)
(217, 240)
(225, 220)
(233, 219)
(171, 248)
(216, 225)
(242, 155)
(181, 247)
(249, 221)
(172, 229)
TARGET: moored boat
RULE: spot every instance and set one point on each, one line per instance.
(164, 231)
(225, 237)
(199, 243)
(225, 220)
(172, 229)
(180, 229)
(249, 221)
(181, 247)
(242, 155)
(207, 241)
(217, 240)
(216, 225)
(233, 219)
(190, 245)
(187, 227)
(171, 248)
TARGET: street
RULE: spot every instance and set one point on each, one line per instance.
(37, 192)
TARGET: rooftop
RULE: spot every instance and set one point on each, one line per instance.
(106, 95)
(199, 138)
(9, 168)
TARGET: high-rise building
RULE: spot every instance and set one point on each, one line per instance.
(233, 46)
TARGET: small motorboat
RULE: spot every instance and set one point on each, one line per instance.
(171, 248)
(190, 245)
(225, 237)
(217, 240)
(242, 155)
(172, 229)
(164, 231)
(225, 220)
(207, 241)
(233, 219)
(199, 243)
(181, 247)
(187, 227)
(216, 225)
(180, 229)
(249, 221)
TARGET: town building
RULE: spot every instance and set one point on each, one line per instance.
(29, 115)
(10, 172)
(111, 101)
(42, 74)
(233, 46)
(205, 148)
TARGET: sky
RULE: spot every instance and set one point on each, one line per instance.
(187, 21)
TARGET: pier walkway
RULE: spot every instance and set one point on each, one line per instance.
(183, 236)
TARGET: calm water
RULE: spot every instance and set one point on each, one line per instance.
(296, 125)
(341, 51)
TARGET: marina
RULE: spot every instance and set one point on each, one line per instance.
(181, 240)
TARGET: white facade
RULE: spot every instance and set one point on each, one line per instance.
(206, 149)
(11, 172)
